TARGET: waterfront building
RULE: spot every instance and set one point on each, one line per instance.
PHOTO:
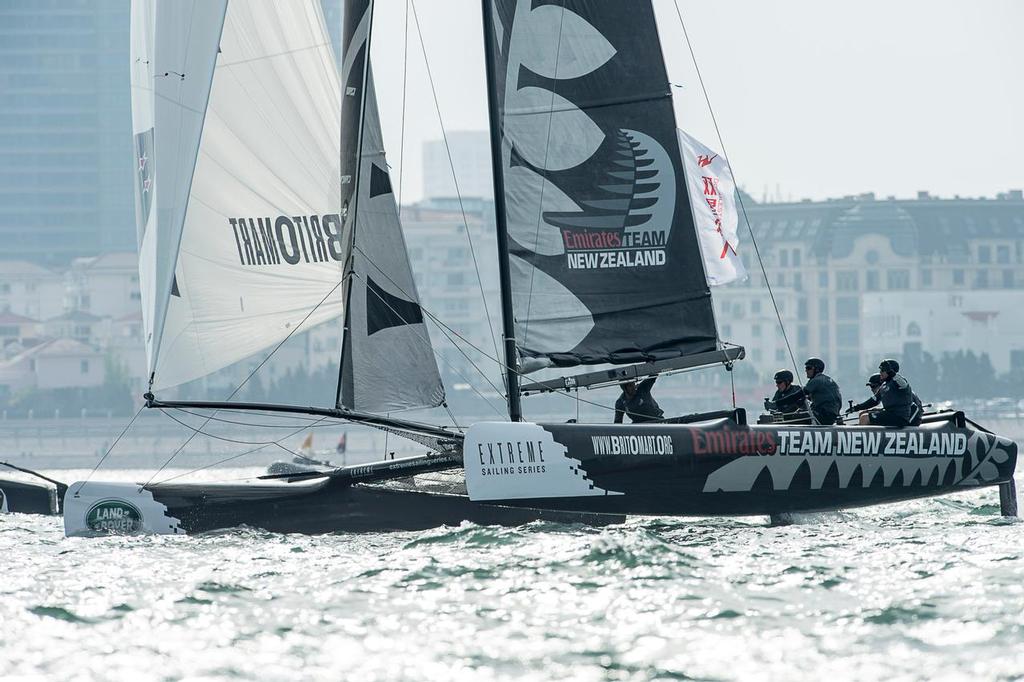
(106, 285)
(859, 278)
(52, 364)
(30, 290)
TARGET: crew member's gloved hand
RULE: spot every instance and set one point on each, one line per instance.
(768, 404)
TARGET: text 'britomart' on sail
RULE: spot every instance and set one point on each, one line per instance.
(605, 263)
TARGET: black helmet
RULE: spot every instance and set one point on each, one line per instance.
(783, 375)
(889, 365)
(874, 380)
(815, 363)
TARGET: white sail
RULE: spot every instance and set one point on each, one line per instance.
(261, 247)
(173, 49)
(713, 202)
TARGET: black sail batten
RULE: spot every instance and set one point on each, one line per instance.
(605, 263)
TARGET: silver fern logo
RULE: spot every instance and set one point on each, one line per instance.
(630, 226)
(622, 222)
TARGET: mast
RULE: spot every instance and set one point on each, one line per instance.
(351, 209)
(515, 410)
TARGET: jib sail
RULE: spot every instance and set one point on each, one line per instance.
(388, 362)
(257, 201)
(605, 264)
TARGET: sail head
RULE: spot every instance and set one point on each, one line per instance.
(605, 264)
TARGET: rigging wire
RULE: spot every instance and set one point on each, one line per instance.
(251, 424)
(436, 353)
(405, 88)
(451, 416)
(111, 448)
(739, 195)
(455, 179)
(244, 381)
(444, 327)
(224, 439)
(236, 456)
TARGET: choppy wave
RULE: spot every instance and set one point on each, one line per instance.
(919, 590)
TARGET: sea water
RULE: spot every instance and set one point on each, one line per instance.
(924, 590)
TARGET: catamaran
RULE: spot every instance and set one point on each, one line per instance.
(265, 205)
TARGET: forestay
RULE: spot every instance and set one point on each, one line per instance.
(605, 263)
(261, 244)
(388, 362)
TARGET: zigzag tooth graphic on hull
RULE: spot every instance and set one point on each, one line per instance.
(869, 467)
(782, 472)
(741, 474)
(847, 468)
(819, 470)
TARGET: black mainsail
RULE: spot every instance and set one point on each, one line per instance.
(604, 262)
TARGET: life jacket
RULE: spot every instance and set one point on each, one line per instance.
(897, 397)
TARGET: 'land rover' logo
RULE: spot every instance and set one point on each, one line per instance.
(114, 516)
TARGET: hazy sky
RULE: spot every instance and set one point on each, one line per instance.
(817, 99)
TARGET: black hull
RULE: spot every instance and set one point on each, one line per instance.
(352, 508)
(323, 506)
(680, 502)
(24, 497)
(721, 468)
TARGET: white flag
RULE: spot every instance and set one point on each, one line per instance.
(713, 202)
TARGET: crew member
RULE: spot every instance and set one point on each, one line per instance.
(636, 401)
(788, 398)
(895, 396)
(875, 383)
(823, 392)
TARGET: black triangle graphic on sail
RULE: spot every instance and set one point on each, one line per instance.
(380, 183)
(384, 310)
(174, 287)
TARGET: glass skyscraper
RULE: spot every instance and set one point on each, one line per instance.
(66, 161)
(65, 130)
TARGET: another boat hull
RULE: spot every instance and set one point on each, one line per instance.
(322, 506)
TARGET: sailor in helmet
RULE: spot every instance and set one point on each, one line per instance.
(823, 392)
(788, 398)
(899, 407)
(875, 384)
